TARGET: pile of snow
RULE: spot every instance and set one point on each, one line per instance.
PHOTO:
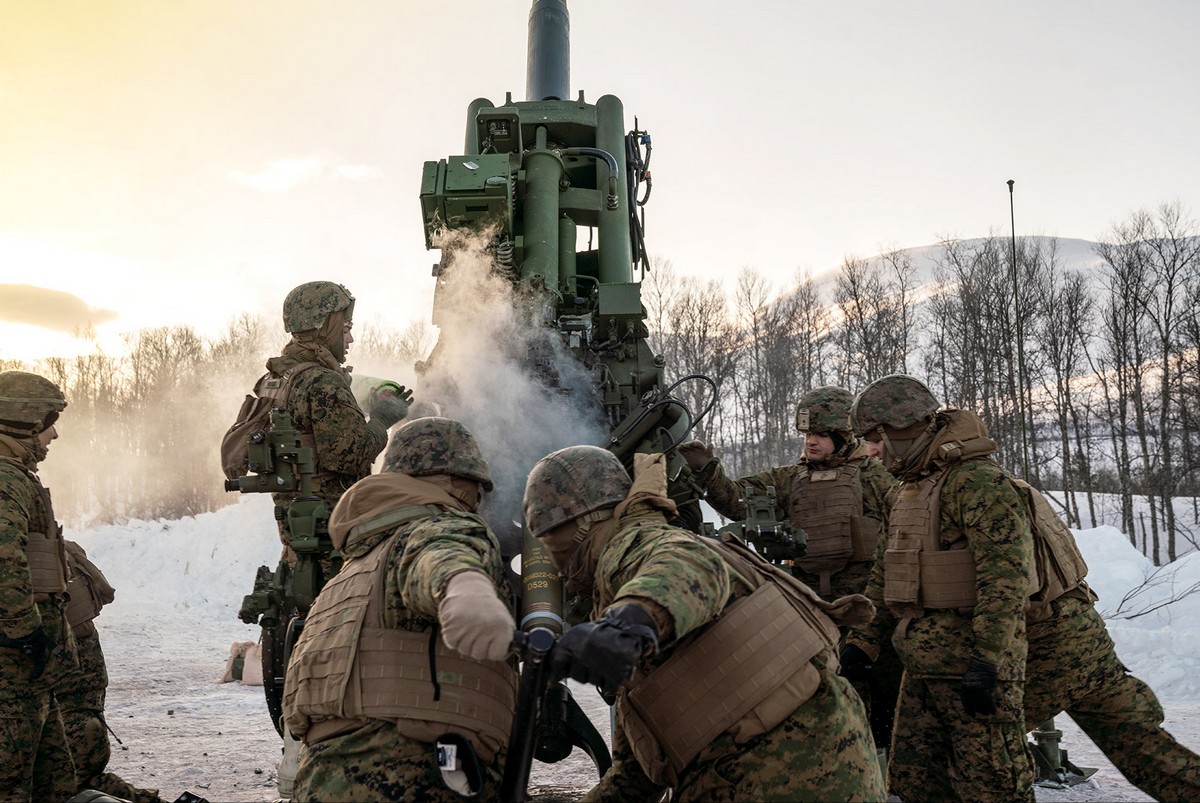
(200, 567)
(1153, 613)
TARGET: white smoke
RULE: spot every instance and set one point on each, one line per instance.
(482, 373)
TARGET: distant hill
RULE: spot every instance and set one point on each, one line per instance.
(1073, 255)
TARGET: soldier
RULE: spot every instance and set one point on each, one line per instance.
(308, 380)
(710, 700)
(36, 644)
(839, 498)
(80, 692)
(952, 585)
(1073, 667)
(316, 392)
(404, 651)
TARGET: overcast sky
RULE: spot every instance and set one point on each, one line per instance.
(186, 161)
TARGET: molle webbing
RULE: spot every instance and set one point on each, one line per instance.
(88, 589)
(828, 505)
(47, 564)
(395, 684)
(1060, 565)
(321, 667)
(81, 607)
(349, 667)
(755, 646)
(918, 574)
(744, 673)
(913, 517)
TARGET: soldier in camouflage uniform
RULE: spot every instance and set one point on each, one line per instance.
(838, 496)
(407, 646)
(80, 692)
(950, 592)
(1073, 667)
(676, 618)
(36, 644)
(323, 408)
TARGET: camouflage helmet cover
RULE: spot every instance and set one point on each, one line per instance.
(824, 409)
(435, 445)
(897, 401)
(28, 402)
(570, 482)
(307, 306)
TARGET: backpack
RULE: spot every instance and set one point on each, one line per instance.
(255, 414)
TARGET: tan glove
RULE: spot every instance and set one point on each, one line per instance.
(698, 454)
(473, 619)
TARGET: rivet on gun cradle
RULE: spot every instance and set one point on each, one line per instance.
(774, 538)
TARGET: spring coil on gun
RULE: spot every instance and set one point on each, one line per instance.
(504, 259)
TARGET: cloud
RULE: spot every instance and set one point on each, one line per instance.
(286, 175)
(50, 309)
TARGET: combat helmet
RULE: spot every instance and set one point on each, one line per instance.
(29, 403)
(435, 445)
(571, 482)
(308, 305)
(824, 409)
(897, 401)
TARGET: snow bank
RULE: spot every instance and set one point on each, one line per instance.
(200, 568)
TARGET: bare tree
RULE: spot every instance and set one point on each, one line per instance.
(700, 338)
(1171, 249)
(874, 298)
(1124, 337)
(1061, 335)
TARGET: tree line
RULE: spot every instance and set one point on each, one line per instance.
(1089, 381)
(141, 434)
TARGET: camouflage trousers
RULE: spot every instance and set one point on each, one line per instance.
(942, 753)
(376, 763)
(87, 738)
(1073, 667)
(821, 752)
(35, 764)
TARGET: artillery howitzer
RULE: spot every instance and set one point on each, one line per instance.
(554, 187)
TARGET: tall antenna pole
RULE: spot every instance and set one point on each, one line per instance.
(1020, 338)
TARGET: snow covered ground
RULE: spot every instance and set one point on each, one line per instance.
(180, 584)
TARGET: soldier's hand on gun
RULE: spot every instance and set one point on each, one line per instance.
(605, 652)
(388, 402)
(474, 621)
(698, 454)
(977, 687)
(38, 646)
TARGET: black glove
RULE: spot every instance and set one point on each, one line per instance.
(388, 402)
(856, 664)
(604, 653)
(698, 454)
(38, 646)
(978, 683)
